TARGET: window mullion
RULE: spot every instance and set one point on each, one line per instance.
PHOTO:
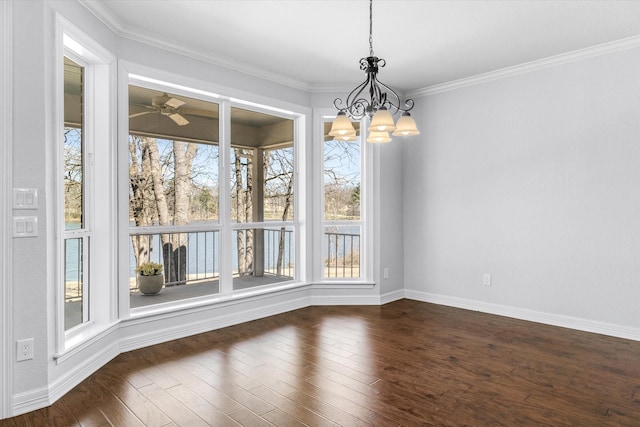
(226, 241)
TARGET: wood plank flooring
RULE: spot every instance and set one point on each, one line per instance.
(402, 364)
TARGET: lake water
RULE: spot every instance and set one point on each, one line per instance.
(202, 250)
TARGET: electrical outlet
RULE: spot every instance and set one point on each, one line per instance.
(486, 279)
(385, 273)
(24, 350)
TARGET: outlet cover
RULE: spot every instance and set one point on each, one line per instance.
(24, 350)
(486, 279)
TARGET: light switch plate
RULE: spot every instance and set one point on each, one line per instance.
(25, 198)
(25, 226)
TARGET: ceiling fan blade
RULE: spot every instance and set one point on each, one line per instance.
(174, 103)
(196, 112)
(131, 116)
(180, 121)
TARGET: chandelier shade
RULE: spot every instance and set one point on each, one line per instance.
(380, 106)
(342, 126)
(406, 126)
(378, 137)
(346, 138)
(382, 121)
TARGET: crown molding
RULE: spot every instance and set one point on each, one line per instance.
(527, 67)
(135, 34)
(331, 87)
(103, 14)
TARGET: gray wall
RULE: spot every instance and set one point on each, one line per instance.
(36, 383)
(535, 179)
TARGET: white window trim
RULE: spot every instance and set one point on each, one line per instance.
(366, 206)
(6, 131)
(100, 82)
(135, 74)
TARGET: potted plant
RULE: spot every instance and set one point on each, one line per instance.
(150, 278)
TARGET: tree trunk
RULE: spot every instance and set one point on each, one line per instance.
(161, 207)
(141, 199)
(176, 251)
(248, 217)
(239, 209)
(285, 214)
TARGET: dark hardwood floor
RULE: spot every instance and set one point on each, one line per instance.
(406, 363)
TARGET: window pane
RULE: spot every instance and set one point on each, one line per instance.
(242, 194)
(278, 185)
(342, 179)
(172, 182)
(75, 298)
(262, 167)
(341, 249)
(73, 145)
(173, 159)
(173, 172)
(263, 256)
(73, 283)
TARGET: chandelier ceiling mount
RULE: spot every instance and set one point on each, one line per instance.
(382, 104)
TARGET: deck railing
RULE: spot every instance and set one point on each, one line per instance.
(186, 256)
(342, 257)
(192, 256)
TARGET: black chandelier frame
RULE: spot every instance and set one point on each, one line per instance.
(381, 96)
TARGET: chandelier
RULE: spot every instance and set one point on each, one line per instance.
(382, 104)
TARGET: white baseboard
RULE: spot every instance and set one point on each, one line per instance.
(345, 300)
(30, 401)
(529, 315)
(43, 397)
(392, 296)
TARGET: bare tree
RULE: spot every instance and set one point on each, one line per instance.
(243, 207)
(150, 205)
(73, 171)
(175, 252)
(279, 185)
(141, 203)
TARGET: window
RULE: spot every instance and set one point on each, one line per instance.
(85, 190)
(174, 193)
(342, 223)
(213, 236)
(77, 230)
(262, 198)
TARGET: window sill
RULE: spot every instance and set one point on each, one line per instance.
(88, 336)
(343, 285)
(174, 308)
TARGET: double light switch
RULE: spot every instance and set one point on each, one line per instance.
(25, 226)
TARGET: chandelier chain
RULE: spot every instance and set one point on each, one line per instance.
(370, 27)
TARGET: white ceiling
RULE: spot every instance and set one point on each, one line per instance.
(316, 44)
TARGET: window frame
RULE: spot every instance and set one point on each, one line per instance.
(293, 223)
(321, 117)
(85, 233)
(98, 212)
(135, 74)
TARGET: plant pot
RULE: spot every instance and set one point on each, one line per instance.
(150, 285)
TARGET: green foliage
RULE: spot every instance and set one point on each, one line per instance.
(355, 196)
(149, 269)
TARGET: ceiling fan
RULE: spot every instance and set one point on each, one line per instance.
(166, 106)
